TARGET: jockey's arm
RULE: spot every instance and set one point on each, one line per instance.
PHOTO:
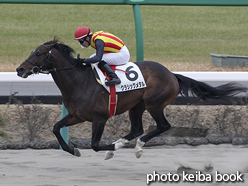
(99, 52)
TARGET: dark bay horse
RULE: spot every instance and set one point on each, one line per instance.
(86, 100)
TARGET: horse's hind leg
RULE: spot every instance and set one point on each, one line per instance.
(135, 116)
(162, 126)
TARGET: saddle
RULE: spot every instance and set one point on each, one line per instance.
(131, 79)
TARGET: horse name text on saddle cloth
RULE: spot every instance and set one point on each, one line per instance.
(130, 75)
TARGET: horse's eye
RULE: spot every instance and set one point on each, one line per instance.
(37, 54)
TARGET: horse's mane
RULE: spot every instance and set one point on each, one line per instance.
(65, 50)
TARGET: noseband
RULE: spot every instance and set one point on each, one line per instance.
(36, 69)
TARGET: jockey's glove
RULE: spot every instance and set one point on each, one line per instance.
(79, 60)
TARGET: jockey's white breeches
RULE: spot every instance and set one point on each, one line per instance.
(119, 58)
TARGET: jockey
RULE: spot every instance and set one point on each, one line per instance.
(110, 50)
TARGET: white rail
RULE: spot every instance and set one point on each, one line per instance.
(11, 77)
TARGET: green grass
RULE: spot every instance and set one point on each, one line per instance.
(191, 33)
(171, 34)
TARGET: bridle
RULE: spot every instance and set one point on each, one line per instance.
(39, 69)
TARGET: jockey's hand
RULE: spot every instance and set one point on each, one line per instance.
(79, 60)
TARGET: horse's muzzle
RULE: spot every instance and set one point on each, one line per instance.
(21, 72)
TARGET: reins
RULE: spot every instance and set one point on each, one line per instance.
(36, 69)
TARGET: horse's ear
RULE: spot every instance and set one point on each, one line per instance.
(56, 40)
(53, 42)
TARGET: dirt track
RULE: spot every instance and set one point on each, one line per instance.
(58, 168)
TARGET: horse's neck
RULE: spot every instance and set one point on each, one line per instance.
(69, 80)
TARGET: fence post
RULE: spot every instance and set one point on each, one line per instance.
(139, 33)
(64, 131)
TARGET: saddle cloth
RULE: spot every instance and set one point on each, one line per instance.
(131, 79)
(129, 74)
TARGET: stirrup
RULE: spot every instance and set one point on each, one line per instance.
(114, 81)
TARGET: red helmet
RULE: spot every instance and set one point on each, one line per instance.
(82, 32)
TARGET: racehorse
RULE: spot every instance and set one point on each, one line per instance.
(86, 100)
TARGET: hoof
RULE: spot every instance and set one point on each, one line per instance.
(76, 152)
(138, 154)
(138, 148)
(109, 155)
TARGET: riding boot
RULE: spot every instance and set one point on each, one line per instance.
(114, 79)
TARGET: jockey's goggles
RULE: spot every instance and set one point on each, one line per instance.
(82, 40)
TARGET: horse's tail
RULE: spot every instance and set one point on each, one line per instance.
(190, 87)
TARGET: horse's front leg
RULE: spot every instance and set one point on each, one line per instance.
(117, 144)
(68, 120)
(97, 131)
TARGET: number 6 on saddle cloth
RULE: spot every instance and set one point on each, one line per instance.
(131, 79)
